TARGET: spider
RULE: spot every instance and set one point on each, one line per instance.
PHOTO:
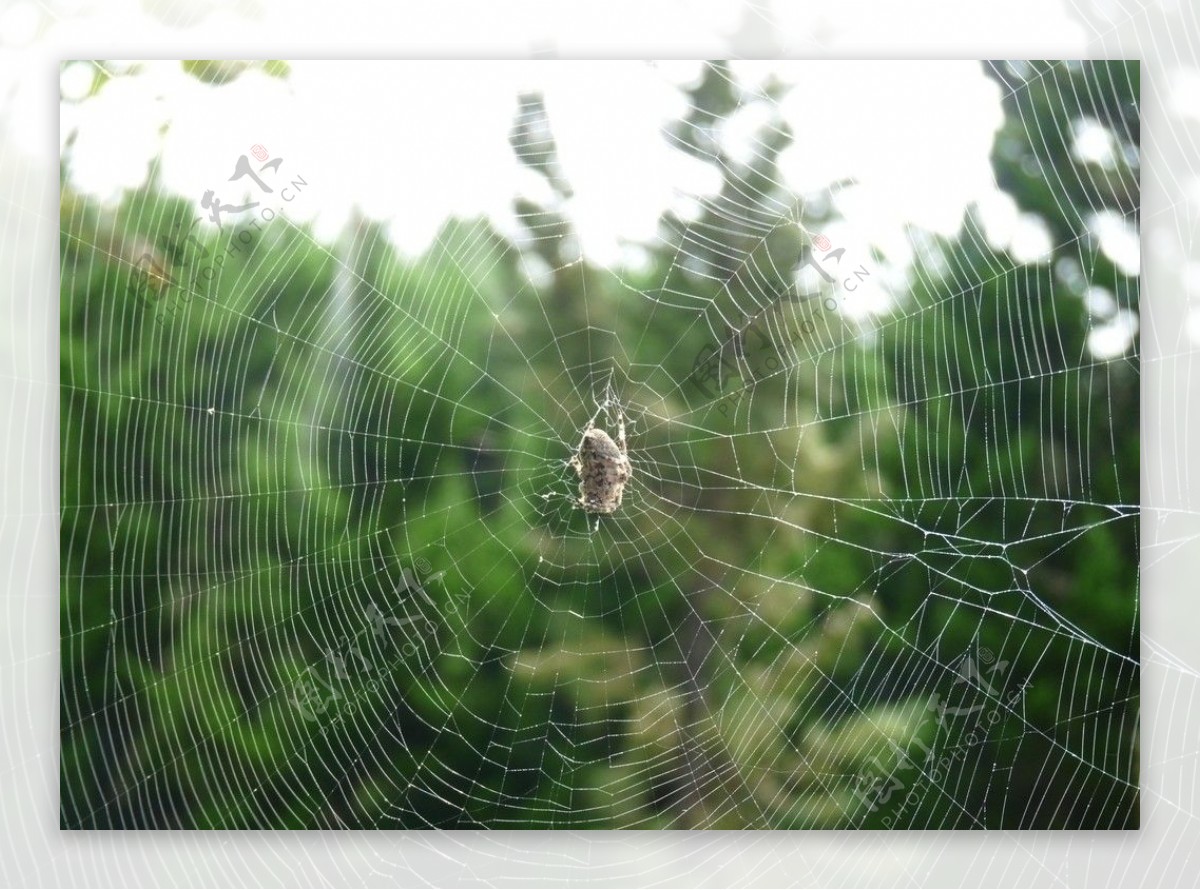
(602, 465)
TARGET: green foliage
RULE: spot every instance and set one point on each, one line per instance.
(273, 474)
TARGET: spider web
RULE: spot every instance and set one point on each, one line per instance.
(324, 563)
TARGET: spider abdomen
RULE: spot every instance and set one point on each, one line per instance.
(603, 469)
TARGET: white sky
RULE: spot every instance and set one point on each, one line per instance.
(412, 143)
(915, 135)
(389, 137)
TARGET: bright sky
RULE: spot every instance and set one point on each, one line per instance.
(414, 142)
(915, 135)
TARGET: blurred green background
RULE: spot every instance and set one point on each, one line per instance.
(321, 566)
